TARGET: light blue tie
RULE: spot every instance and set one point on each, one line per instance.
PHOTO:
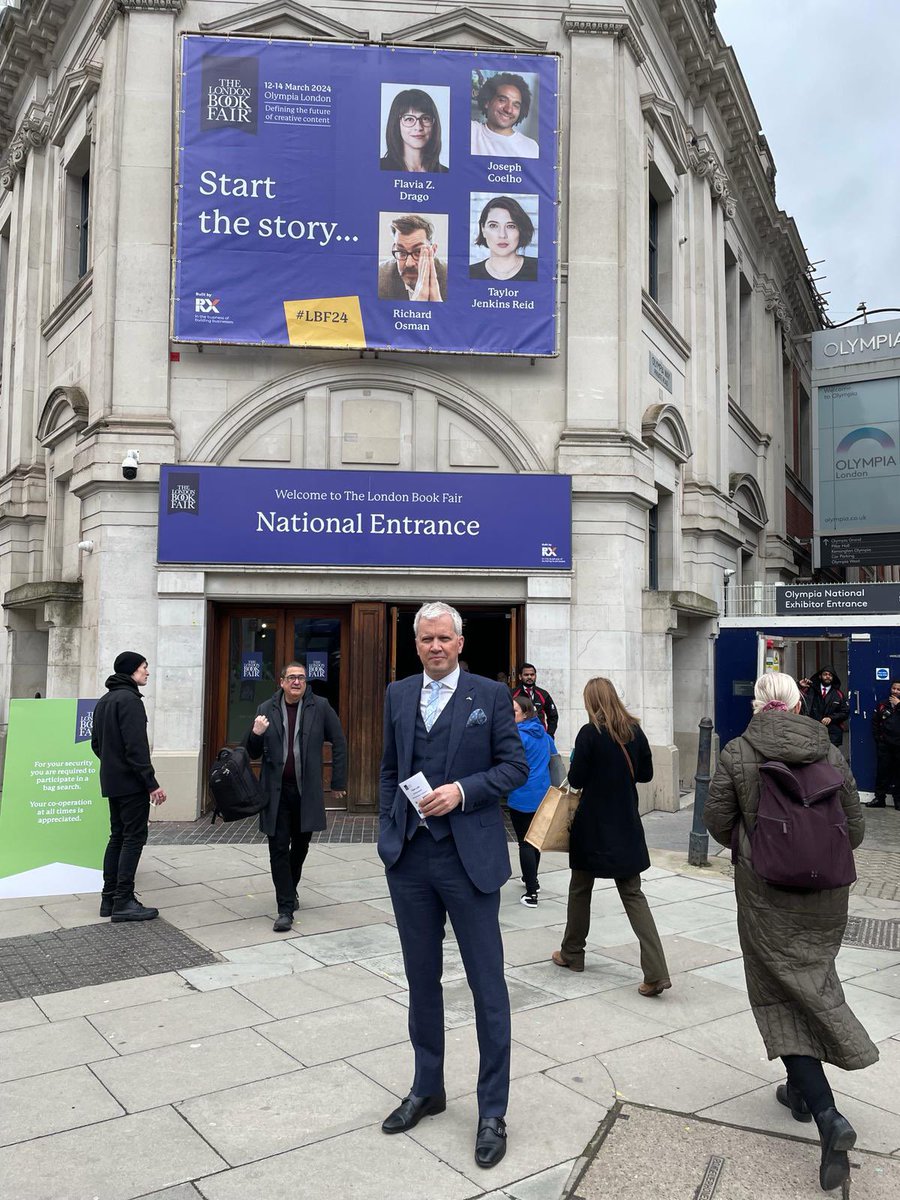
(431, 708)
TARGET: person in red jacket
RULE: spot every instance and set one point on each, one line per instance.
(539, 697)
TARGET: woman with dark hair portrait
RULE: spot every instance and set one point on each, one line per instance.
(505, 228)
(413, 134)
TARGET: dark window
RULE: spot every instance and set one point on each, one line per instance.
(84, 224)
(653, 549)
(653, 280)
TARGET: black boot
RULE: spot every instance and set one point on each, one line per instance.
(106, 903)
(791, 1098)
(837, 1136)
(878, 802)
(132, 910)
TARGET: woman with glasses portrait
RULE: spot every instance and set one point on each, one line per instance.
(413, 134)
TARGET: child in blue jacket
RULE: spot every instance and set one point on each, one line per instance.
(523, 802)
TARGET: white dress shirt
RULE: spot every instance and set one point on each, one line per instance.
(448, 688)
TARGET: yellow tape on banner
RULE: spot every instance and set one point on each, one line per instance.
(331, 321)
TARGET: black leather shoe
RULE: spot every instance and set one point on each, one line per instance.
(877, 803)
(837, 1136)
(106, 904)
(791, 1098)
(283, 922)
(407, 1115)
(132, 910)
(490, 1141)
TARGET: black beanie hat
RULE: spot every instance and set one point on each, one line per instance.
(128, 662)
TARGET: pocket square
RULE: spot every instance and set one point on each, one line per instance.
(477, 717)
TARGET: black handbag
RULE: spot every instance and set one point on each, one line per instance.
(234, 787)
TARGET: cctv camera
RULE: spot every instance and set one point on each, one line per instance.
(728, 572)
(130, 464)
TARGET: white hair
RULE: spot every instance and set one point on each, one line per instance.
(775, 687)
(430, 612)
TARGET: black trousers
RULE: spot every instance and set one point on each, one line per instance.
(529, 858)
(887, 774)
(807, 1075)
(288, 848)
(129, 817)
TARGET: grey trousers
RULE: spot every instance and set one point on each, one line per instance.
(578, 923)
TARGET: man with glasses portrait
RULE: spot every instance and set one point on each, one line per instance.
(414, 271)
(288, 733)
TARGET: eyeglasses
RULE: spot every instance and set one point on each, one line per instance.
(295, 678)
(415, 254)
(409, 121)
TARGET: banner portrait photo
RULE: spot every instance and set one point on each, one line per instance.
(366, 197)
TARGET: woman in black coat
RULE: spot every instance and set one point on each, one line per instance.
(606, 840)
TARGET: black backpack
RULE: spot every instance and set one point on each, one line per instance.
(235, 789)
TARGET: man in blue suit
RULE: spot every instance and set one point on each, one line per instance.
(458, 730)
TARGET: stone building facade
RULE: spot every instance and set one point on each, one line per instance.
(676, 403)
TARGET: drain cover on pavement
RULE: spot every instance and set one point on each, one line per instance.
(872, 934)
(39, 963)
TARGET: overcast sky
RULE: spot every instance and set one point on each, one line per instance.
(823, 77)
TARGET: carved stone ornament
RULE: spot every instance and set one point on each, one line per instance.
(775, 303)
(114, 7)
(590, 25)
(705, 164)
(31, 135)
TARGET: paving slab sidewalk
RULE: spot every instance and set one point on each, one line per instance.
(267, 1073)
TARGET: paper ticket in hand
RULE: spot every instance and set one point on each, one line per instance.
(415, 789)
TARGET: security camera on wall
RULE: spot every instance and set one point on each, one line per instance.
(130, 464)
(728, 573)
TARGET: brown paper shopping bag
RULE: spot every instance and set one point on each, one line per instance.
(549, 828)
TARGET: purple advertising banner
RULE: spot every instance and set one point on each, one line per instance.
(351, 196)
(264, 515)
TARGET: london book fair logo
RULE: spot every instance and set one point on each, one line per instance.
(184, 492)
(865, 452)
(229, 93)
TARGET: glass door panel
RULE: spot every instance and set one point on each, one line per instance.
(252, 671)
(317, 644)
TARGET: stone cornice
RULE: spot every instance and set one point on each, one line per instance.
(606, 20)
(27, 37)
(31, 135)
(114, 7)
(30, 595)
(706, 165)
(467, 26)
(737, 414)
(285, 17)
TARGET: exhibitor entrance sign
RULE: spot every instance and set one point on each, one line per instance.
(831, 600)
(54, 824)
(240, 515)
(351, 195)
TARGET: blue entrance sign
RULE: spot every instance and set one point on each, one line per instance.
(352, 196)
(262, 515)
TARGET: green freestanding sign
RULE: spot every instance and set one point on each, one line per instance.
(54, 824)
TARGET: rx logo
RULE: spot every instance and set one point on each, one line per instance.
(206, 304)
(548, 551)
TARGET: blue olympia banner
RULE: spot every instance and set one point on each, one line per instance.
(264, 515)
(357, 196)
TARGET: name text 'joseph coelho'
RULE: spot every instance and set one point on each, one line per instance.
(370, 523)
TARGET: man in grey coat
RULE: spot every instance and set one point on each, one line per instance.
(288, 733)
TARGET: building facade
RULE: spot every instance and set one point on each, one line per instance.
(676, 404)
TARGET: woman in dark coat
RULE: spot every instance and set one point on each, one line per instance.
(606, 840)
(790, 937)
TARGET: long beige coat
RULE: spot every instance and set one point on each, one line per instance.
(789, 937)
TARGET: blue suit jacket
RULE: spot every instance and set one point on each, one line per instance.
(484, 754)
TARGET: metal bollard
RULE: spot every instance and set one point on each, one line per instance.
(698, 847)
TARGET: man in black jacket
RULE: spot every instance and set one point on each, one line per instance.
(826, 703)
(288, 733)
(886, 728)
(540, 697)
(127, 781)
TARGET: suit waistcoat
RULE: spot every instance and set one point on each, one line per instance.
(430, 757)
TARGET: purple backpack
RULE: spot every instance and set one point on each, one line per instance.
(801, 837)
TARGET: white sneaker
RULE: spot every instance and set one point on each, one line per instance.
(530, 900)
